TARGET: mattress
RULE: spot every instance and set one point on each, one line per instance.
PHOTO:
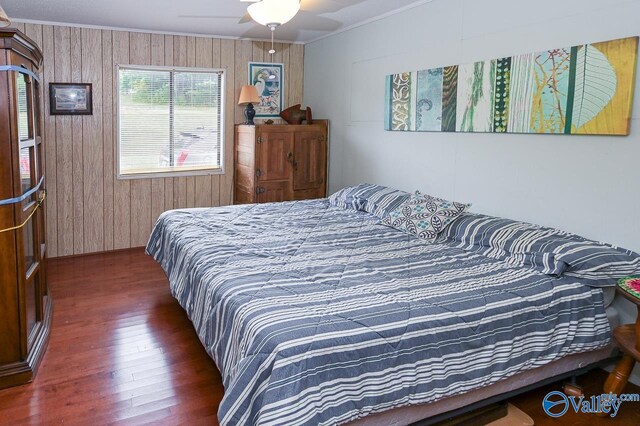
(320, 315)
(417, 413)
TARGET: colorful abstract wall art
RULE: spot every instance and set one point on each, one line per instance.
(586, 89)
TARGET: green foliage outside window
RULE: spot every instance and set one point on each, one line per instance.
(145, 87)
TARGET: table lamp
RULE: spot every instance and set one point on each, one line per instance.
(249, 96)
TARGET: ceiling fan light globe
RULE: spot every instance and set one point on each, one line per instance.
(270, 12)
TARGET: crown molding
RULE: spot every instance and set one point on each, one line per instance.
(138, 30)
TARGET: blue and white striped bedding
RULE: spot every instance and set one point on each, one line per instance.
(544, 249)
(319, 315)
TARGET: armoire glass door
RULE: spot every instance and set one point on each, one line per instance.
(30, 173)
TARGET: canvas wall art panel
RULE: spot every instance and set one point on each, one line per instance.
(269, 81)
(585, 89)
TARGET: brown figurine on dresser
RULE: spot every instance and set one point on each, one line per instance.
(280, 162)
(25, 305)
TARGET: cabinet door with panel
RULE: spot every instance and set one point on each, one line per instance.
(310, 160)
(275, 155)
(273, 192)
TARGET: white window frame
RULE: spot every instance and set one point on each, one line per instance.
(222, 108)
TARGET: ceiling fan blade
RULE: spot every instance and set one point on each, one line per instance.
(310, 21)
(245, 18)
(209, 16)
(326, 6)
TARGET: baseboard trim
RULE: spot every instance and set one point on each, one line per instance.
(95, 253)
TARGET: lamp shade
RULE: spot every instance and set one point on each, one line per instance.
(248, 95)
(276, 12)
(4, 19)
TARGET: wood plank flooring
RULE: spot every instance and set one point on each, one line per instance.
(123, 351)
(592, 382)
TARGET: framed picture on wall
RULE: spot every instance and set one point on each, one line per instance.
(269, 81)
(70, 99)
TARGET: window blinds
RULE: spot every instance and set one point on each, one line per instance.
(170, 121)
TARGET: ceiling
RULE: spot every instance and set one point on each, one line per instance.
(207, 17)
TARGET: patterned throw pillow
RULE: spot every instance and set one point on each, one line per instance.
(424, 216)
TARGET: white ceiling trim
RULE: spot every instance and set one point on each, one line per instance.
(137, 30)
(370, 20)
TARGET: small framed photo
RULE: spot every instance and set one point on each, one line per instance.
(70, 99)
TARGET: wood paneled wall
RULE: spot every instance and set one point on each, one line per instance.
(88, 209)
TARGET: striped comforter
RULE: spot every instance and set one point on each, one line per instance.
(320, 315)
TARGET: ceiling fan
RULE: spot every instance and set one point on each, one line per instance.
(274, 13)
(314, 7)
(309, 12)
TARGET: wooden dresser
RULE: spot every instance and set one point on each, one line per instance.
(25, 305)
(280, 162)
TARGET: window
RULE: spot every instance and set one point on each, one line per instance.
(170, 121)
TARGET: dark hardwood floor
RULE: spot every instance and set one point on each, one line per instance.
(123, 351)
(592, 383)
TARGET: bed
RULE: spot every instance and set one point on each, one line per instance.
(319, 314)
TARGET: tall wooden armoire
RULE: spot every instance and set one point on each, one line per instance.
(280, 162)
(25, 305)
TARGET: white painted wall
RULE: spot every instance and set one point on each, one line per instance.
(589, 185)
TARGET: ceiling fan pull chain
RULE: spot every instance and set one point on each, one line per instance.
(272, 51)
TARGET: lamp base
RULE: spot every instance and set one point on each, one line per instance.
(249, 113)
